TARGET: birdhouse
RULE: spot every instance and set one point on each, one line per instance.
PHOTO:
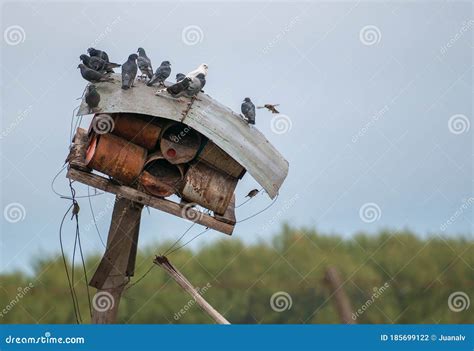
(147, 146)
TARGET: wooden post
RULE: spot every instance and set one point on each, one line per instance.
(116, 264)
(341, 300)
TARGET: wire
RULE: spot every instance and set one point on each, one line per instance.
(257, 213)
(65, 263)
(93, 216)
(180, 247)
(179, 239)
(141, 278)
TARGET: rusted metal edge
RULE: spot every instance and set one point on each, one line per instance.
(164, 205)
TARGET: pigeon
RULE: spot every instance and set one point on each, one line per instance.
(144, 63)
(161, 73)
(178, 89)
(203, 68)
(93, 76)
(196, 85)
(252, 193)
(270, 107)
(98, 64)
(180, 77)
(98, 53)
(92, 97)
(129, 71)
(248, 110)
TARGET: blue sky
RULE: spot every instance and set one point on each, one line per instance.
(378, 95)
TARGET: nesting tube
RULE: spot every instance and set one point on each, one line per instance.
(208, 187)
(116, 157)
(138, 129)
(160, 177)
(179, 143)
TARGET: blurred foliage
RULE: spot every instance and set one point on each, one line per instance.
(421, 274)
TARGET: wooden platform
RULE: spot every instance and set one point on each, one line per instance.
(104, 184)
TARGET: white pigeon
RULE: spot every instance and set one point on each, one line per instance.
(203, 68)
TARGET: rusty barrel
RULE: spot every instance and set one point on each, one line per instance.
(208, 187)
(138, 129)
(179, 143)
(161, 178)
(116, 157)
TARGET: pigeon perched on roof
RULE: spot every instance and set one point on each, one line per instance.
(98, 53)
(98, 64)
(129, 71)
(161, 73)
(270, 107)
(93, 76)
(196, 85)
(144, 63)
(203, 68)
(180, 76)
(179, 89)
(92, 97)
(248, 110)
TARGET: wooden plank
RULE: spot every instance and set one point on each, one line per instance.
(110, 276)
(341, 301)
(77, 153)
(123, 231)
(190, 289)
(164, 205)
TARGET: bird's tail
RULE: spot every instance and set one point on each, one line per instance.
(113, 65)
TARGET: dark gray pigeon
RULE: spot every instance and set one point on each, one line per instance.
(98, 53)
(97, 64)
(180, 76)
(144, 63)
(196, 85)
(161, 73)
(93, 76)
(92, 97)
(129, 71)
(178, 89)
(248, 110)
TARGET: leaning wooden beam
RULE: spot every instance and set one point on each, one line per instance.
(341, 301)
(164, 205)
(163, 262)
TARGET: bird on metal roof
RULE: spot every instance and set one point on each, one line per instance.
(92, 75)
(92, 97)
(144, 63)
(248, 110)
(270, 107)
(178, 89)
(252, 193)
(98, 53)
(180, 76)
(203, 68)
(196, 85)
(98, 64)
(129, 71)
(161, 74)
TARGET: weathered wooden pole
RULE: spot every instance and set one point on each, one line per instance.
(118, 261)
(341, 301)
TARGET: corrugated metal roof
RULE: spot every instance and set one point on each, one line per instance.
(246, 144)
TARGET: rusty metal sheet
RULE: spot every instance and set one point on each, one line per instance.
(243, 142)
